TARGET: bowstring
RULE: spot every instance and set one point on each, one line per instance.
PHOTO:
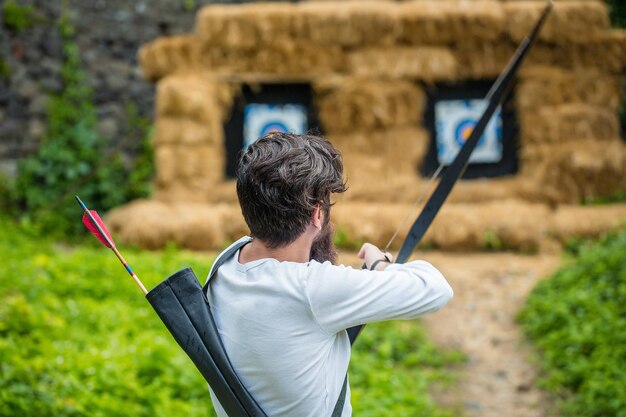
(417, 202)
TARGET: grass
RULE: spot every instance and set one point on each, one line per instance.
(77, 338)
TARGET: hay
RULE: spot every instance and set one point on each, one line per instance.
(351, 24)
(362, 104)
(166, 56)
(367, 222)
(606, 51)
(428, 63)
(582, 170)
(487, 189)
(479, 60)
(569, 122)
(152, 224)
(254, 26)
(244, 26)
(570, 21)
(552, 86)
(398, 145)
(198, 98)
(172, 130)
(502, 224)
(220, 192)
(197, 165)
(493, 225)
(587, 222)
(285, 57)
(439, 23)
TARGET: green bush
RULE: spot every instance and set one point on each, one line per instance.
(16, 17)
(77, 339)
(74, 159)
(577, 319)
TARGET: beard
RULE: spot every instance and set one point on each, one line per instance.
(323, 248)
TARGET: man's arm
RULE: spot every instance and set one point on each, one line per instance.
(341, 297)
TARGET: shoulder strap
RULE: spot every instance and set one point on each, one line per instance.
(223, 257)
(341, 400)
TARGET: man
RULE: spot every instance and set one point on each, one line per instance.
(281, 304)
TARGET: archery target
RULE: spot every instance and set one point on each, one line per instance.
(455, 120)
(261, 119)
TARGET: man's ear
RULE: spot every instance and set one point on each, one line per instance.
(316, 217)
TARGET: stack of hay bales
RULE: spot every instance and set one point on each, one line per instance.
(370, 64)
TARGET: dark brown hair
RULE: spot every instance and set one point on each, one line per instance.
(281, 178)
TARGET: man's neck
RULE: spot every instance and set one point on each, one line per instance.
(297, 251)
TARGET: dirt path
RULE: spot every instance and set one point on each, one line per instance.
(489, 291)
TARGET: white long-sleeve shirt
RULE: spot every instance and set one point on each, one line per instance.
(282, 324)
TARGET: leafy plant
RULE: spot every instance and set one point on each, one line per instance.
(577, 319)
(17, 17)
(73, 158)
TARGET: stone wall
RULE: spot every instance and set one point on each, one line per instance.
(108, 33)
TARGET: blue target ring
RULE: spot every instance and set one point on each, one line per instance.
(273, 126)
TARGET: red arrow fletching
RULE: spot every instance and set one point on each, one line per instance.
(106, 240)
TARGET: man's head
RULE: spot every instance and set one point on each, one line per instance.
(281, 179)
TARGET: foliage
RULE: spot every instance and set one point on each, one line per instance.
(77, 339)
(617, 9)
(345, 240)
(392, 367)
(73, 158)
(577, 319)
(5, 70)
(16, 17)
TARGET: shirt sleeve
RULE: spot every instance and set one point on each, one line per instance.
(341, 297)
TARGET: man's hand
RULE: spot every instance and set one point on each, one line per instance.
(372, 255)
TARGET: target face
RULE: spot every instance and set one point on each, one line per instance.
(261, 119)
(455, 121)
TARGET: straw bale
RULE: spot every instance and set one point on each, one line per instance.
(478, 60)
(401, 145)
(583, 170)
(501, 224)
(285, 56)
(570, 21)
(197, 226)
(351, 24)
(152, 224)
(426, 63)
(487, 189)
(244, 26)
(168, 55)
(367, 222)
(139, 223)
(177, 192)
(200, 164)
(367, 104)
(172, 130)
(438, 23)
(551, 86)
(209, 192)
(569, 122)
(374, 179)
(606, 51)
(496, 224)
(199, 98)
(588, 222)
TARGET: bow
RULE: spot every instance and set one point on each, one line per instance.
(495, 97)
